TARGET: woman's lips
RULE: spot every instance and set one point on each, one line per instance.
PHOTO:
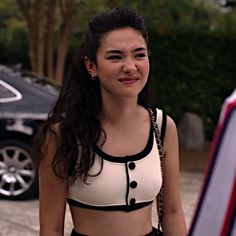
(128, 80)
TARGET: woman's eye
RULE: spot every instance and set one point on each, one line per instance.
(114, 57)
(140, 55)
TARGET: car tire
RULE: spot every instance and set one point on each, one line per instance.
(18, 171)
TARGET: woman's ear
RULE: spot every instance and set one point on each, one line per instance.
(90, 66)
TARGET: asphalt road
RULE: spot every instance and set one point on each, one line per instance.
(20, 218)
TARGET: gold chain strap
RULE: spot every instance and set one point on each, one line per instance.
(160, 149)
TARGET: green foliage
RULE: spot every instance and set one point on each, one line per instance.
(193, 49)
(13, 37)
(193, 72)
(8, 10)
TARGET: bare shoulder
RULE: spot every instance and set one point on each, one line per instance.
(171, 135)
(170, 125)
(50, 143)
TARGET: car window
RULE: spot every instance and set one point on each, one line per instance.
(8, 93)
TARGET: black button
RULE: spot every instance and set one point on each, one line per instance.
(133, 184)
(132, 201)
(131, 165)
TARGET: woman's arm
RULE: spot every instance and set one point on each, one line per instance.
(52, 193)
(173, 217)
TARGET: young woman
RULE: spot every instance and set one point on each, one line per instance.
(98, 150)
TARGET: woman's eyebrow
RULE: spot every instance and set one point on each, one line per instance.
(113, 51)
(139, 49)
(119, 51)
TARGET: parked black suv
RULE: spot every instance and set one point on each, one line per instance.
(24, 104)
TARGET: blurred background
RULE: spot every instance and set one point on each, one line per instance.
(193, 47)
(193, 52)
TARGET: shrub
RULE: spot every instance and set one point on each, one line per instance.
(193, 71)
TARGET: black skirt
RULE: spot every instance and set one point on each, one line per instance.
(154, 232)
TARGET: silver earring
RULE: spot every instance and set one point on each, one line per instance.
(94, 77)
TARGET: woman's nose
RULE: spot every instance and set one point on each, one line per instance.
(129, 65)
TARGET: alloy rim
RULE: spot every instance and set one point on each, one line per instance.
(17, 171)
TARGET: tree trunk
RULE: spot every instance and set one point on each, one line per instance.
(40, 35)
(34, 16)
(25, 9)
(49, 46)
(39, 16)
(61, 56)
(68, 13)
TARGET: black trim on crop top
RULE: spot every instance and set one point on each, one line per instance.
(128, 206)
(133, 157)
(127, 187)
(125, 208)
(163, 127)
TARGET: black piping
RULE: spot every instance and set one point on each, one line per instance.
(126, 208)
(126, 159)
(127, 182)
(163, 127)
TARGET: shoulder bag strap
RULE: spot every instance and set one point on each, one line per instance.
(159, 140)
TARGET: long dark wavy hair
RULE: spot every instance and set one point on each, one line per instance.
(79, 104)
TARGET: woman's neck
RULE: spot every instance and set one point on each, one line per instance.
(120, 111)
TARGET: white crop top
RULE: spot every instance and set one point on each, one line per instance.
(125, 183)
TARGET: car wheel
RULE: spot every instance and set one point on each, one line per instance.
(18, 172)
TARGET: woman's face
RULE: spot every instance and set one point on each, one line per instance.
(122, 63)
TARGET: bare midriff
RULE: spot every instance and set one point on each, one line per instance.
(119, 223)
